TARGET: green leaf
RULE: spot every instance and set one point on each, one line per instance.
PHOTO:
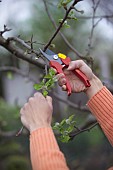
(63, 3)
(64, 138)
(60, 20)
(71, 117)
(38, 86)
(56, 126)
(51, 72)
(65, 127)
(47, 76)
(48, 83)
(63, 122)
(67, 26)
(45, 93)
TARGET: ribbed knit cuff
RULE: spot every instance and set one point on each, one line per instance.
(44, 137)
(101, 105)
(45, 152)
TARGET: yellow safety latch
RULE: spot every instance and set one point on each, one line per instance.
(60, 55)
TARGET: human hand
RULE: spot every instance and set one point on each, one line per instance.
(37, 112)
(76, 84)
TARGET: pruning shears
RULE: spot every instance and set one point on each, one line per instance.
(59, 62)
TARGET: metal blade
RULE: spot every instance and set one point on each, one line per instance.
(51, 56)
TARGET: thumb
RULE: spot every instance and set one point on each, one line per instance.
(75, 64)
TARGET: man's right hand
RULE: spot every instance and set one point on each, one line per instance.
(76, 84)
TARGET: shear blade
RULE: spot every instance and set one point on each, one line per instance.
(50, 56)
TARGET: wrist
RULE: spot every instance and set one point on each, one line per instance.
(96, 85)
(35, 127)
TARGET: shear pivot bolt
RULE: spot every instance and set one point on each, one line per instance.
(55, 57)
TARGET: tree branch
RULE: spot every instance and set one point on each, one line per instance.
(61, 34)
(19, 52)
(16, 70)
(95, 6)
(5, 30)
(71, 104)
(96, 17)
(61, 24)
(83, 129)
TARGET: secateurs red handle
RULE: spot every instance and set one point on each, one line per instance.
(59, 61)
(59, 70)
(77, 72)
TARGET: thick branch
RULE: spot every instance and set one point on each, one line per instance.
(20, 53)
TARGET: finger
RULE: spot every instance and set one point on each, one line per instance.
(64, 87)
(30, 100)
(61, 75)
(62, 81)
(49, 100)
(75, 64)
(38, 95)
(21, 111)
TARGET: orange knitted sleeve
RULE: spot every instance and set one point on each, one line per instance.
(101, 105)
(44, 151)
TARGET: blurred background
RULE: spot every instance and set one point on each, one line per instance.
(89, 150)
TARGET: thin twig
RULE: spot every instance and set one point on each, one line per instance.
(5, 30)
(24, 44)
(95, 6)
(95, 17)
(78, 131)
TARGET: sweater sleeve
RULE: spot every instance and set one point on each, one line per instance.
(44, 151)
(101, 105)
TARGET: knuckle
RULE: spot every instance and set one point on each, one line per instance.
(25, 106)
(50, 98)
(30, 100)
(37, 94)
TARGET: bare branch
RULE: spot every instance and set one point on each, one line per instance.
(81, 130)
(61, 24)
(96, 17)
(61, 34)
(95, 6)
(24, 44)
(71, 104)
(19, 52)
(11, 133)
(18, 71)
